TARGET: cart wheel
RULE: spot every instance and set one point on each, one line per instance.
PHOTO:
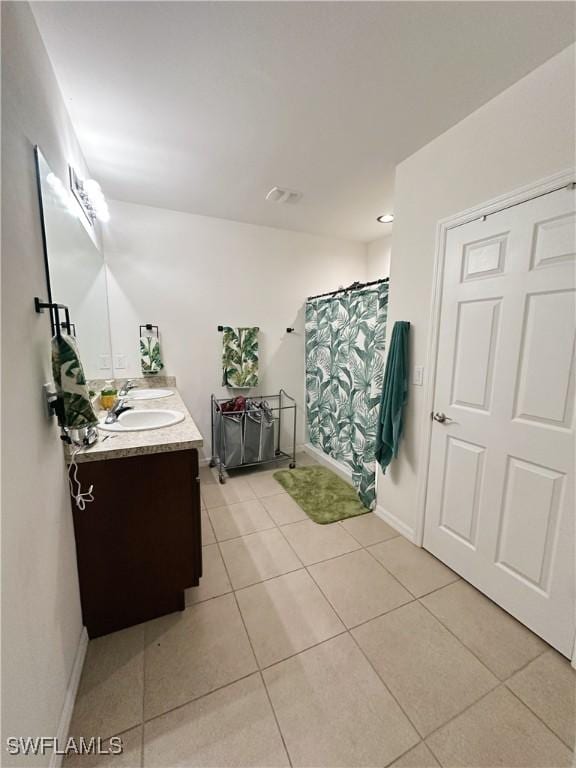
(277, 453)
(292, 465)
(212, 464)
(222, 480)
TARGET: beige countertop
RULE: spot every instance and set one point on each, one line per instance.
(118, 445)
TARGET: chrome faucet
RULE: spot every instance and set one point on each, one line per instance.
(126, 387)
(118, 408)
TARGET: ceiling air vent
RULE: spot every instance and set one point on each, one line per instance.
(282, 195)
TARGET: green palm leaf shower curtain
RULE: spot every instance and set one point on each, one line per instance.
(345, 338)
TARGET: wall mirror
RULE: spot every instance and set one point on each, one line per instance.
(75, 270)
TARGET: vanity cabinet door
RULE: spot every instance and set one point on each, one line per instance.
(139, 543)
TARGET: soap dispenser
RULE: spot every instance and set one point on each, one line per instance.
(109, 395)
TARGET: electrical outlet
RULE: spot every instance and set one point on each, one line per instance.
(119, 362)
(418, 375)
(104, 362)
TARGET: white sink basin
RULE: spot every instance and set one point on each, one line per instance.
(139, 421)
(148, 394)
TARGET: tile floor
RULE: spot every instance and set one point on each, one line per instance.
(338, 645)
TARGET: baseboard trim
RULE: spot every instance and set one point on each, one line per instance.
(397, 524)
(70, 697)
(344, 472)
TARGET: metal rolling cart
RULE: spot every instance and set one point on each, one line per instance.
(254, 435)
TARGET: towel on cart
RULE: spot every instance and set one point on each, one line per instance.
(240, 358)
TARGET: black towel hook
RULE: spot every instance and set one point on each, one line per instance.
(150, 327)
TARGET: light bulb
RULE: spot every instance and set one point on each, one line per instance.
(103, 215)
(92, 187)
(71, 205)
(53, 180)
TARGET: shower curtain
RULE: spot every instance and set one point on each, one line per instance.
(345, 338)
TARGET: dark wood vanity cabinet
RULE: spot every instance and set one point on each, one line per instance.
(139, 543)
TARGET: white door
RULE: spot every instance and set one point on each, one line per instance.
(500, 501)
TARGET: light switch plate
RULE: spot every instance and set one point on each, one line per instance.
(104, 362)
(120, 362)
(418, 375)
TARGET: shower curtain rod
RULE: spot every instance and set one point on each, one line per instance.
(353, 287)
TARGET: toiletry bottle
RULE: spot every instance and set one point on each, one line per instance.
(108, 395)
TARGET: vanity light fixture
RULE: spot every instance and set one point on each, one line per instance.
(90, 197)
(386, 218)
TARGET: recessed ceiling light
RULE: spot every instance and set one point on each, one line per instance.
(283, 195)
(386, 218)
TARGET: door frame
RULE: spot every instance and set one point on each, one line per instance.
(520, 195)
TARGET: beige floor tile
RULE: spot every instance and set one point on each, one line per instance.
(548, 687)
(500, 642)
(283, 509)
(333, 710)
(369, 529)
(240, 519)
(234, 726)
(305, 460)
(130, 757)
(418, 757)
(285, 615)
(313, 543)
(358, 587)
(418, 570)
(194, 652)
(214, 580)
(263, 483)
(431, 673)
(207, 532)
(235, 489)
(207, 475)
(267, 468)
(259, 556)
(498, 730)
(109, 698)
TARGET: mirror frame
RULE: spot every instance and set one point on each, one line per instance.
(37, 153)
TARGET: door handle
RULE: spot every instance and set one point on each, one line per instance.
(441, 418)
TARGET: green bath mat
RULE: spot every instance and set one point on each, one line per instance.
(323, 495)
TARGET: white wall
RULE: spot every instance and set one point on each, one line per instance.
(378, 254)
(188, 274)
(41, 621)
(524, 134)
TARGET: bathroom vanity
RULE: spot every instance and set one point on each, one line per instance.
(139, 543)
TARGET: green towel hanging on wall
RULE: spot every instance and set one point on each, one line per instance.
(240, 357)
(76, 410)
(394, 395)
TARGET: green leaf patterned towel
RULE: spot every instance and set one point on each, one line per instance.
(150, 357)
(77, 411)
(240, 358)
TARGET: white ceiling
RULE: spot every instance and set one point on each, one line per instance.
(204, 106)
